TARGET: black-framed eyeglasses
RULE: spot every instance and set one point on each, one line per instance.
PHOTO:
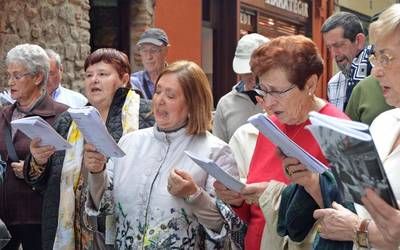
(274, 93)
(18, 76)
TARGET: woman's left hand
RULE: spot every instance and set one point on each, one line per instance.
(18, 168)
(181, 183)
(337, 223)
(299, 174)
(386, 218)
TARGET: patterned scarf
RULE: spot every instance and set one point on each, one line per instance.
(71, 172)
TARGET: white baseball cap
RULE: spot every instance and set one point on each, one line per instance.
(245, 47)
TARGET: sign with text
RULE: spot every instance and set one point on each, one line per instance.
(295, 6)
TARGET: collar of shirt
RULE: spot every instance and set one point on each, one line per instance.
(56, 92)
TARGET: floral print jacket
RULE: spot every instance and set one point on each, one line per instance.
(147, 215)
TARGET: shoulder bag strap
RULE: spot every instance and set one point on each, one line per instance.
(12, 154)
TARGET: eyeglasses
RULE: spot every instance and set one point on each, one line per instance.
(274, 93)
(17, 76)
(382, 59)
(151, 51)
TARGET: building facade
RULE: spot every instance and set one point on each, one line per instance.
(203, 31)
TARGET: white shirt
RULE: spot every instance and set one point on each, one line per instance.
(69, 97)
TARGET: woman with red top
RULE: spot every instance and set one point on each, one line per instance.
(289, 69)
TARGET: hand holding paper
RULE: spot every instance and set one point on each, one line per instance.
(288, 147)
(41, 154)
(215, 171)
(36, 127)
(95, 132)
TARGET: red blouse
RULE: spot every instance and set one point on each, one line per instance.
(266, 165)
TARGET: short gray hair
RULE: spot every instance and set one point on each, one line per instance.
(33, 58)
(54, 55)
(350, 23)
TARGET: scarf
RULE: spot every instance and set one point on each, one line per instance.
(296, 212)
(71, 172)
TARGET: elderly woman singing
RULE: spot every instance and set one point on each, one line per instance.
(289, 69)
(61, 176)
(20, 206)
(161, 198)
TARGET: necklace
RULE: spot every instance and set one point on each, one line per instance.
(301, 127)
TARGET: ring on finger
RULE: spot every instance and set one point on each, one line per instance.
(288, 172)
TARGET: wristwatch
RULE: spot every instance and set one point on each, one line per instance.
(362, 235)
(191, 198)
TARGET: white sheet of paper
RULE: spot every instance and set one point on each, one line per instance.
(288, 147)
(36, 127)
(215, 171)
(6, 98)
(95, 132)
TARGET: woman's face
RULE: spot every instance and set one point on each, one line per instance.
(24, 85)
(285, 100)
(388, 74)
(101, 83)
(169, 103)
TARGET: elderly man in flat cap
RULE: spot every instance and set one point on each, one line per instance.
(153, 47)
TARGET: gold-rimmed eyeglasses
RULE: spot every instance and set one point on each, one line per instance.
(382, 59)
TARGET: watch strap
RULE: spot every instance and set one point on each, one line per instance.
(362, 234)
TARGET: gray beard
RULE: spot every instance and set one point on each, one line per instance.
(346, 70)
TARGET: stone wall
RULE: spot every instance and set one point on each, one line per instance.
(142, 16)
(62, 25)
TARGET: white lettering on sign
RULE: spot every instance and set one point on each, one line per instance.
(295, 6)
(245, 18)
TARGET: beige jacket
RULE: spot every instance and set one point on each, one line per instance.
(269, 203)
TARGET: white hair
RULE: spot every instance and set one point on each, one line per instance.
(54, 55)
(33, 58)
(387, 24)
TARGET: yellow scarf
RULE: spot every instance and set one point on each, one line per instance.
(65, 237)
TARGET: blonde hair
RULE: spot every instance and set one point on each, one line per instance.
(388, 23)
(197, 92)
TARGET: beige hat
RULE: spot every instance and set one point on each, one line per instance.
(245, 47)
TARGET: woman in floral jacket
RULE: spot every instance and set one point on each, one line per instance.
(161, 198)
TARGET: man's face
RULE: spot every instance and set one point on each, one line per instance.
(249, 80)
(342, 49)
(55, 75)
(153, 57)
